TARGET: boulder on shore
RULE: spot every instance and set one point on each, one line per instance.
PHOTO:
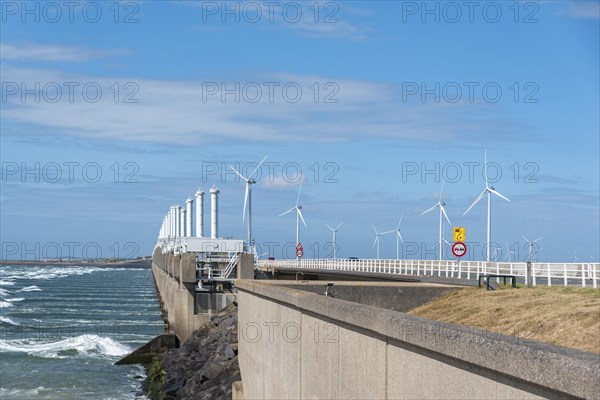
(206, 365)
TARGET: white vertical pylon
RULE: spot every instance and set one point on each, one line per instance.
(182, 222)
(200, 213)
(177, 213)
(188, 217)
(214, 212)
(171, 222)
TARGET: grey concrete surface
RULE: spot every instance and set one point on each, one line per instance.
(398, 296)
(351, 350)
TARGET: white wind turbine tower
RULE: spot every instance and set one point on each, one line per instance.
(509, 252)
(334, 235)
(398, 237)
(489, 190)
(248, 198)
(377, 240)
(441, 205)
(299, 216)
(531, 245)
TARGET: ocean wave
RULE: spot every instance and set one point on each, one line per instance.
(47, 272)
(27, 393)
(30, 289)
(6, 283)
(5, 304)
(87, 345)
(8, 320)
(15, 299)
(4, 293)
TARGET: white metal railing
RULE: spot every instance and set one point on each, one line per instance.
(551, 273)
(232, 264)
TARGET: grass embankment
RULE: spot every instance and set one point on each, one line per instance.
(564, 316)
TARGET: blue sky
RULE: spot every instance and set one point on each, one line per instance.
(113, 111)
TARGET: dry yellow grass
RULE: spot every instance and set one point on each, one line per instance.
(563, 316)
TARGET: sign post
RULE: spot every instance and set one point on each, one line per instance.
(299, 251)
(459, 249)
(460, 233)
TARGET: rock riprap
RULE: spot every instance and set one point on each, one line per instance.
(206, 365)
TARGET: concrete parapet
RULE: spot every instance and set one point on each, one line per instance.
(176, 295)
(296, 344)
(245, 266)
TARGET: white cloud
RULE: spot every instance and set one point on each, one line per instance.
(53, 53)
(181, 112)
(581, 9)
(324, 19)
(278, 182)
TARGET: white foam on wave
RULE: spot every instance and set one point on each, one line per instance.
(6, 283)
(45, 273)
(22, 393)
(5, 304)
(4, 293)
(15, 299)
(8, 320)
(87, 345)
(30, 289)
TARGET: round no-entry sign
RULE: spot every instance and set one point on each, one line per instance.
(459, 249)
(299, 250)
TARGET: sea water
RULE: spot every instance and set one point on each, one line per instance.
(63, 327)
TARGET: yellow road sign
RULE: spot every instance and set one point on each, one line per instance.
(460, 233)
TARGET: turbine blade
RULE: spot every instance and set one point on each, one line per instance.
(445, 215)
(494, 191)
(288, 211)
(340, 224)
(540, 238)
(399, 222)
(527, 240)
(257, 167)
(375, 242)
(431, 209)
(240, 175)
(400, 236)
(301, 217)
(442, 190)
(245, 202)
(485, 167)
(329, 227)
(299, 190)
(476, 201)
(377, 233)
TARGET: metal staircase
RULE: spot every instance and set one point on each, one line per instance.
(225, 273)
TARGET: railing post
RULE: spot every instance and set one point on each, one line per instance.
(582, 276)
(548, 273)
(565, 274)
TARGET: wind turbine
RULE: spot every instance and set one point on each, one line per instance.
(299, 216)
(489, 190)
(248, 198)
(398, 237)
(334, 235)
(441, 205)
(509, 252)
(530, 255)
(376, 242)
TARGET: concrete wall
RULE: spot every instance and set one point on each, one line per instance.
(175, 277)
(391, 296)
(299, 345)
